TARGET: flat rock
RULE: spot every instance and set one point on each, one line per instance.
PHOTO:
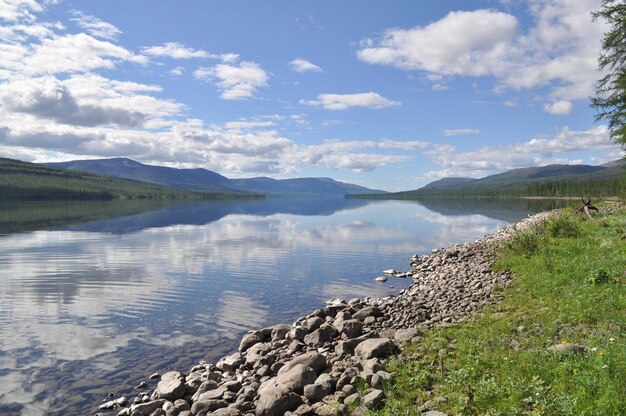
(293, 379)
(376, 348)
(145, 409)
(170, 389)
(381, 279)
(312, 359)
(405, 335)
(567, 348)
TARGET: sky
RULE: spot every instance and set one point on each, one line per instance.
(390, 95)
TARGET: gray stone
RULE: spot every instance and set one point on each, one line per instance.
(434, 413)
(144, 409)
(226, 411)
(376, 348)
(373, 399)
(351, 328)
(171, 386)
(314, 323)
(204, 387)
(331, 409)
(293, 379)
(373, 311)
(312, 359)
(280, 331)
(405, 335)
(567, 348)
(316, 392)
(215, 394)
(297, 333)
(276, 402)
(249, 340)
(207, 406)
(304, 410)
(230, 362)
(324, 333)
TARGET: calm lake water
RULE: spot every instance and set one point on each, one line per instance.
(96, 296)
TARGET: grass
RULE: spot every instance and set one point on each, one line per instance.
(570, 288)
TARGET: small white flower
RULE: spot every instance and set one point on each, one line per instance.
(605, 366)
(594, 349)
(611, 339)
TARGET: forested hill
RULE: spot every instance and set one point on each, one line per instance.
(202, 179)
(28, 181)
(546, 181)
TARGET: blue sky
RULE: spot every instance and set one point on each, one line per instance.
(389, 95)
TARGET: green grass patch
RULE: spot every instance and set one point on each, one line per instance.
(570, 287)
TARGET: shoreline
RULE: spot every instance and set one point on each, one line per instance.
(319, 364)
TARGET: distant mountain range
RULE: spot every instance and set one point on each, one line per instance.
(206, 180)
(550, 180)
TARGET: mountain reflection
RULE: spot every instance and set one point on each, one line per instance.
(99, 304)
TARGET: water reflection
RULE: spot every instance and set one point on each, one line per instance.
(89, 306)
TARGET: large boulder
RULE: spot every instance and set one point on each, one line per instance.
(376, 348)
(312, 359)
(293, 379)
(277, 402)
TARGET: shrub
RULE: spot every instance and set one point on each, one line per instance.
(563, 225)
(524, 243)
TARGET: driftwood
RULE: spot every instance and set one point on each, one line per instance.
(586, 207)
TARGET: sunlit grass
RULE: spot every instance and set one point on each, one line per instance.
(569, 289)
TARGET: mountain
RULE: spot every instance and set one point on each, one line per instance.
(202, 179)
(550, 180)
(445, 182)
(29, 181)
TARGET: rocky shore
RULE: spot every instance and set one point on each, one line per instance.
(333, 360)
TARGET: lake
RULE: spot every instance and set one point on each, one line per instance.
(98, 295)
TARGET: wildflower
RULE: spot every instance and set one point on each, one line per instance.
(611, 339)
(594, 349)
(605, 366)
(601, 353)
(574, 371)
(564, 341)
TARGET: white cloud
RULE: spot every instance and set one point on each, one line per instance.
(13, 10)
(236, 81)
(246, 125)
(559, 49)
(76, 53)
(345, 101)
(95, 26)
(176, 50)
(559, 108)
(177, 72)
(461, 43)
(535, 152)
(460, 132)
(302, 65)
